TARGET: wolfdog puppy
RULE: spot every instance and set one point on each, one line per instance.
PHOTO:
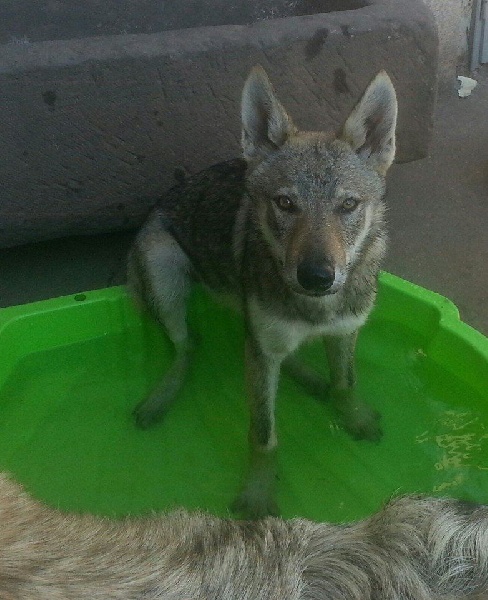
(294, 233)
(413, 549)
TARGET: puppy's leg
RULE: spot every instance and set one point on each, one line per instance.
(359, 419)
(262, 373)
(159, 272)
(312, 382)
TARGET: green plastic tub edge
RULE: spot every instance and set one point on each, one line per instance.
(431, 446)
(433, 316)
(434, 313)
(448, 336)
(56, 320)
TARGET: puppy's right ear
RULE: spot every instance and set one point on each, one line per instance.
(265, 123)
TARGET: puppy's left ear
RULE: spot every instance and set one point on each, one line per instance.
(370, 128)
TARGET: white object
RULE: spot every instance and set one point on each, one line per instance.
(467, 86)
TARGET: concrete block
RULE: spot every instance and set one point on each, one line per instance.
(92, 127)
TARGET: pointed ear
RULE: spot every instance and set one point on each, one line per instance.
(370, 128)
(265, 123)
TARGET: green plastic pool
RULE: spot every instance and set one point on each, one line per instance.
(73, 368)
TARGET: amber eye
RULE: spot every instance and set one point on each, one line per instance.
(350, 204)
(284, 203)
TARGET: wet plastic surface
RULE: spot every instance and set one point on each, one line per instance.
(73, 369)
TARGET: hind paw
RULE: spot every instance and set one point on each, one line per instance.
(363, 424)
(361, 421)
(151, 411)
(145, 418)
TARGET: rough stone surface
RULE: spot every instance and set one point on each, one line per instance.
(93, 127)
(453, 19)
(38, 20)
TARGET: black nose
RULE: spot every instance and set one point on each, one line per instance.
(315, 278)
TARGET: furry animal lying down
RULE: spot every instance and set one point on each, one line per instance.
(413, 549)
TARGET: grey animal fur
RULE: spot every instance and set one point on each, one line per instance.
(413, 549)
(293, 234)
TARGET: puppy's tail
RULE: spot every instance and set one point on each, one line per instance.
(415, 548)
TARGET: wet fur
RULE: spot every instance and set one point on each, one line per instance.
(414, 549)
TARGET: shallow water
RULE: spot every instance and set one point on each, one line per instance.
(66, 429)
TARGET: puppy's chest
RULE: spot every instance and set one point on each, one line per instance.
(278, 335)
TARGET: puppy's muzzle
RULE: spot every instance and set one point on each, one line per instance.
(316, 279)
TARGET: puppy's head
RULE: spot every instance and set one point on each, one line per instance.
(317, 197)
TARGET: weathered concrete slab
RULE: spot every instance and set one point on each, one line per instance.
(92, 128)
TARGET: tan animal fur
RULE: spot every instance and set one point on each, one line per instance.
(413, 549)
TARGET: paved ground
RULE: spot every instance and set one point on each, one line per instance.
(438, 220)
(439, 208)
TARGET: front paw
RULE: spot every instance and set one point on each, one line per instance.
(254, 504)
(361, 421)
